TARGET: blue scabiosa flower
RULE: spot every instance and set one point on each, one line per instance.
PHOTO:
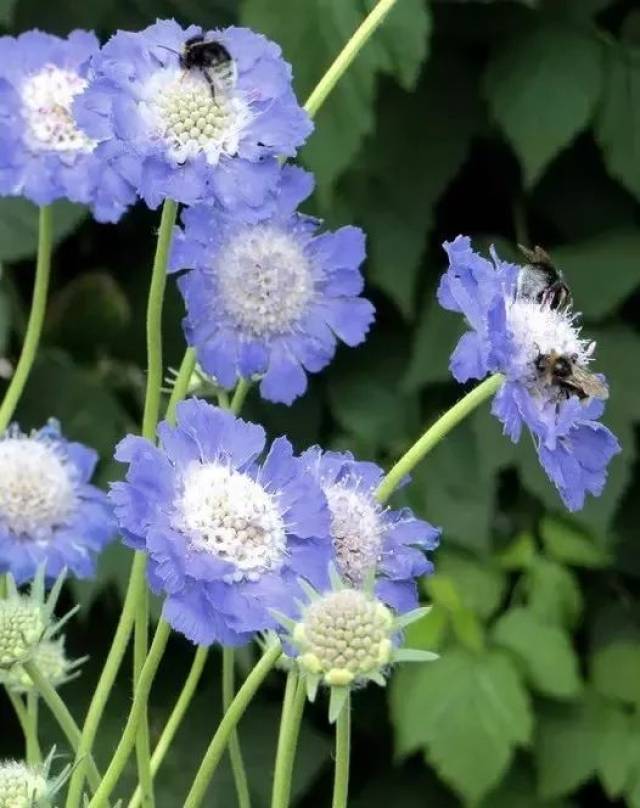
(193, 142)
(50, 514)
(271, 297)
(367, 537)
(509, 333)
(44, 155)
(227, 536)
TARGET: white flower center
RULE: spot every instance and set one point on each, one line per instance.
(20, 785)
(36, 491)
(47, 99)
(538, 329)
(355, 531)
(226, 513)
(181, 110)
(265, 280)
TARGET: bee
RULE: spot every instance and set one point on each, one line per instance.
(569, 377)
(212, 60)
(541, 281)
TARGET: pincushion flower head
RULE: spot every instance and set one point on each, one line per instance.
(345, 638)
(44, 154)
(49, 512)
(211, 134)
(24, 786)
(271, 297)
(227, 535)
(367, 537)
(520, 337)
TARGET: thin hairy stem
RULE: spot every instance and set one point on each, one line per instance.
(343, 752)
(295, 696)
(34, 753)
(235, 753)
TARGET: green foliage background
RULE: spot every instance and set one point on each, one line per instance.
(508, 121)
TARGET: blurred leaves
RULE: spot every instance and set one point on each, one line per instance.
(19, 226)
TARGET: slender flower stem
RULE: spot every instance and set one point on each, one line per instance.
(63, 717)
(107, 678)
(181, 384)
(343, 751)
(347, 55)
(175, 719)
(436, 433)
(140, 698)
(295, 696)
(36, 318)
(34, 754)
(239, 395)
(143, 744)
(235, 754)
(229, 722)
(20, 711)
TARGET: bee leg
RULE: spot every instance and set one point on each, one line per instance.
(209, 81)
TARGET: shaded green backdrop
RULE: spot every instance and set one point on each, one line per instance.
(507, 121)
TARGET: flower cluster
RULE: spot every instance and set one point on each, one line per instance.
(23, 786)
(270, 297)
(49, 512)
(44, 154)
(509, 334)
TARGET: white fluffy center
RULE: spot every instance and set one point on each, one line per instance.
(181, 111)
(20, 785)
(226, 513)
(36, 491)
(47, 98)
(355, 531)
(265, 280)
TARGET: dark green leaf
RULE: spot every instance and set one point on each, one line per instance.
(570, 545)
(615, 670)
(543, 87)
(481, 585)
(19, 226)
(553, 592)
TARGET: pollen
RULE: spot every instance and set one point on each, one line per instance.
(37, 492)
(346, 637)
(22, 786)
(226, 513)
(356, 531)
(265, 281)
(47, 98)
(22, 626)
(190, 119)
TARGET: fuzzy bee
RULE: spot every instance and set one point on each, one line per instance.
(212, 60)
(541, 281)
(564, 373)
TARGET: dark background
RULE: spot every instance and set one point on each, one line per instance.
(509, 122)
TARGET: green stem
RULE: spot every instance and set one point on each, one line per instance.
(229, 722)
(34, 755)
(347, 55)
(140, 699)
(62, 715)
(235, 753)
(181, 384)
(36, 318)
(107, 678)
(436, 433)
(175, 719)
(343, 750)
(20, 711)
(292, 708)
(143, 745)
(239, 395)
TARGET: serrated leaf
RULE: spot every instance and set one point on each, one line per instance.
(311, 41)
(480, 583)
(615, 671)
(468, 712)
(602, 272)
(571, 545)
(619, 755)
(617, 125)
(19, 226)
(567, 745)
(550, 663)
(543, 87)
(553, 592)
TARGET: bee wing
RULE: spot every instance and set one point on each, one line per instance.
(588, 383)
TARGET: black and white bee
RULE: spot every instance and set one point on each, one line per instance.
(541, 281)
(570, 378)
(212, 60)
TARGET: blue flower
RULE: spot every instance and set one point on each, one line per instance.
(49, 512)
(227, 536)
(508, 334)
(44, 155)
(177, 137)
(271, 297)
(367, 536)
